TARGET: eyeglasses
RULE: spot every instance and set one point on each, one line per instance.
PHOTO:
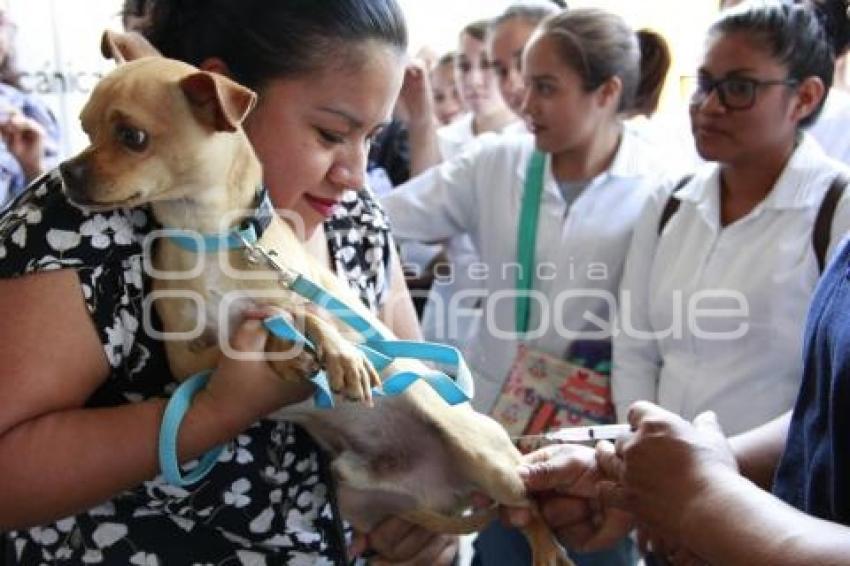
(735, 93)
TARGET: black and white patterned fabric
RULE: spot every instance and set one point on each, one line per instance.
(267, 501)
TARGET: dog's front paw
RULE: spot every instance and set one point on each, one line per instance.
(349, 372)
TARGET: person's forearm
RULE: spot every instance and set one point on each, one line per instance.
(736, 523)
(424, 147)
(758, 451)
(64, 462)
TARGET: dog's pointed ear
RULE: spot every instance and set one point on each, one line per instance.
(124, 47)
(221, 102)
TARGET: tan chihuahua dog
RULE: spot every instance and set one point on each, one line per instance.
(167, 135)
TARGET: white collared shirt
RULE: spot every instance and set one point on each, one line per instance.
(764, 263)
(453, 137)
(580, 249)
(456, 137)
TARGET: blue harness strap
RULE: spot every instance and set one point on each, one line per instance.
(250, 231)
(317, 295)
(204, 243)
(380, 351)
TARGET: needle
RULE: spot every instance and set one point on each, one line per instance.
(580, 434)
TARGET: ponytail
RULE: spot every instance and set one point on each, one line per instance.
(654, 65)
(599, 45)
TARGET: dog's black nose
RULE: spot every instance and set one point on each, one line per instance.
(74, 173)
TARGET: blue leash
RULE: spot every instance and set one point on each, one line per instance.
(380, 352)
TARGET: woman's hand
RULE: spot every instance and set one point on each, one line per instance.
(396, 541)
(242, 391)
(415, 103)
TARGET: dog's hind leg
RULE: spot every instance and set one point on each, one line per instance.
(484, 452)
(544, 548)
(451, 524)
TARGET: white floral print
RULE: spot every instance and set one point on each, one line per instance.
(267, 500)
(236, 495)
(63, 240)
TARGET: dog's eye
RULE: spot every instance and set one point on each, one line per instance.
(133, 139)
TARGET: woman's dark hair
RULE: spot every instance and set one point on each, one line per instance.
(599, 45)
(530, 11)
(792, 35)
(264, 39)
(655, 64)
(835, 17)
(478, 29)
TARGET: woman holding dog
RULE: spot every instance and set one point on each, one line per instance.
(79, 423)
(592, 175)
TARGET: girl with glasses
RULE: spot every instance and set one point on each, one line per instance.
(720, 272)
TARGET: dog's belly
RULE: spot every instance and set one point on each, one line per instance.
(387, 459)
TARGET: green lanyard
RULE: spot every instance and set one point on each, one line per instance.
(527, 237)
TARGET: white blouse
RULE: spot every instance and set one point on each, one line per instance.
(728, 304)
(580, 248)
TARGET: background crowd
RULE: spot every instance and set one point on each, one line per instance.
(519, 198)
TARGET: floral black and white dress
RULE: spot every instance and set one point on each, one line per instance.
(267, 501)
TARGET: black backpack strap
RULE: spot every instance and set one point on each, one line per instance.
(822, 233)
(672, 204)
